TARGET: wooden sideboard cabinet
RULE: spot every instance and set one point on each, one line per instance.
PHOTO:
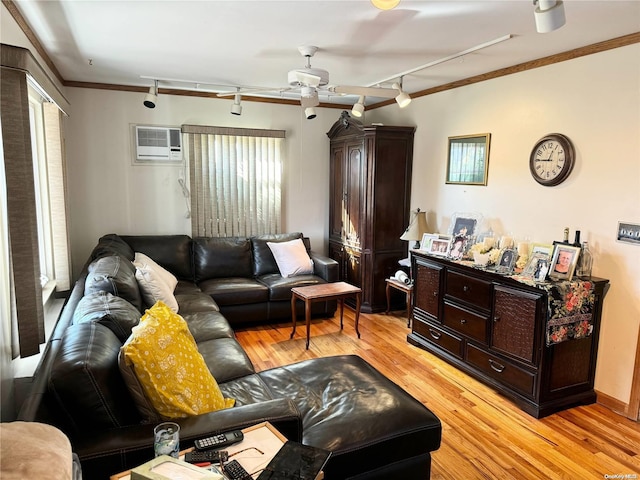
(493, 327)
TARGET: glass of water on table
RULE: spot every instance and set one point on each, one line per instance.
(166, 439)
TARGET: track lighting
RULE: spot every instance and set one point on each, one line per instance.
(385, 4)
(549, 15)
(152, 97)
(358, 108)
(236, 108)
(403, 99)
(310, 113)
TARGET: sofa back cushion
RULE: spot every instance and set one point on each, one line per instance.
(116, 275)
(172, 252)
(112, 244)
(113, 312)
(86, 381)
(222, 257)
(263, 259)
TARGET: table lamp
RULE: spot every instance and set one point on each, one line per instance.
(416, 228)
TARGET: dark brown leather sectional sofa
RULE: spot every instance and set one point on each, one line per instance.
(373, 427)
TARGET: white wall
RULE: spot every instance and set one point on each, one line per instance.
(108, 194)
(595, 101)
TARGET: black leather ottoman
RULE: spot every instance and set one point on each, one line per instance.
(364, 418)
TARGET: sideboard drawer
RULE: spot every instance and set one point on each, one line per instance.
(472, 291)
(466, 322)
(504, 372)
(439, 337)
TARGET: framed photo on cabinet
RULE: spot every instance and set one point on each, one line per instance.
(564, 261)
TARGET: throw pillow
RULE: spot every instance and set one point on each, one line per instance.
(169, 278)
(154, 288)
(172, 373)
(292, 257)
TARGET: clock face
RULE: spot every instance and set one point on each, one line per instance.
(551, 159)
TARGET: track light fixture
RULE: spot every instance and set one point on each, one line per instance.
(236, 108)
(385, 4)
(152, 97)
(549, 15)
(403, 99)
(310, 113)
(358, 108)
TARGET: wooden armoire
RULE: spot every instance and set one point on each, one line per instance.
(370, 189)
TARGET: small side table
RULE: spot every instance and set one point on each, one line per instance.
(403, 287)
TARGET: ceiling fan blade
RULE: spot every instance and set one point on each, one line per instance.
(366, 91)
(308, 79)
(252, 91)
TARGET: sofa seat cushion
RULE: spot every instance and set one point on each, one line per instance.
(113, 312)
(116, 275)
(235, 290)
(196, 302)
(247, 390)
(225, 358)
(339, 396)
(280, 287)
(208, 326)
(186, 287)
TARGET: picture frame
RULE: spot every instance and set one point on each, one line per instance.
(537, 266)
(564, 261)
(506, 261)
(440, 246)
(546, 248)
(457, 247)
(425, 244)
(468, 159)
(464, 224)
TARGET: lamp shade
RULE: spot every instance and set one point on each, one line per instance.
(416, 228)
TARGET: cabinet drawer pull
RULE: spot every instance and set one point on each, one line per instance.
(496, 318)
(465, 288)
(463, 321)
(496, 366)
(435, 294)
(434, 334)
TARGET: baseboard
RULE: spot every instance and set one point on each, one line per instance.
(615, 405)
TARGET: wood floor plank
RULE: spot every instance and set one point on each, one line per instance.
(485, 435)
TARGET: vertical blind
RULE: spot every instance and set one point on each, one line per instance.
(236, 180)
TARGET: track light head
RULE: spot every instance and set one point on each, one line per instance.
(310, 113)
(403, 99)
(236, 108)
(358, 108)
(151, 98)
(549, 15)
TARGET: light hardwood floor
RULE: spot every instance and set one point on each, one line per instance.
(484, 435)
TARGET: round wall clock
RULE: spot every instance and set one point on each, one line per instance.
(551, 159)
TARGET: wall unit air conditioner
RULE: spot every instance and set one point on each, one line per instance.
(158, 145)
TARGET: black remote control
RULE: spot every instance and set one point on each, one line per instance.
(213, 456)
(219, 441)
(235, 471)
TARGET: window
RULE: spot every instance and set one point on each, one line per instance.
(236, 180)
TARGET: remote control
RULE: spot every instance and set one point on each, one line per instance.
(235, 471)
(219, 441)
(212, 456)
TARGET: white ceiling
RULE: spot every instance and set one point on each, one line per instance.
(223, 44)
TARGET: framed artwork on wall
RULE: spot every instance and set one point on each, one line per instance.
(468, 159)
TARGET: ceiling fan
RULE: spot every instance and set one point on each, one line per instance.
(308, 82)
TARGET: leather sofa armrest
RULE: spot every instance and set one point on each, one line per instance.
(110, 452)
(324, 267)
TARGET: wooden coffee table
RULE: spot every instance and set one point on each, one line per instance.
(324, 292)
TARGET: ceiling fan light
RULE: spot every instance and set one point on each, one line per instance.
(358, 108)
(385, 4)
(310, 113)
(236, 108)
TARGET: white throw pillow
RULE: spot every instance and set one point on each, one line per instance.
(292, 257)
(154, 288)
(169, 278)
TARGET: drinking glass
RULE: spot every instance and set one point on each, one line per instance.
(166, 439)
